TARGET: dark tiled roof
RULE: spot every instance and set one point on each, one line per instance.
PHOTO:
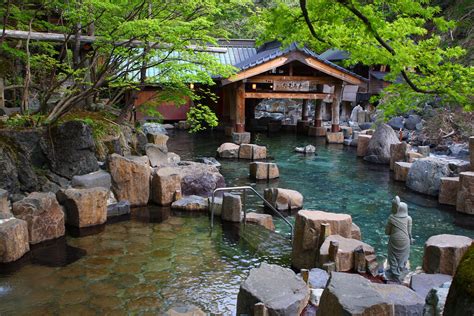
(334, 54)
(274, 50)
(380, 75)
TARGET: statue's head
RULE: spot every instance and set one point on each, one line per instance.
(395, 204)
(402, 210)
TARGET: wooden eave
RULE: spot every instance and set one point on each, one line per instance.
(295, 56)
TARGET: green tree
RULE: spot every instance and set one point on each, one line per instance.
(111, 47)
(402, 34)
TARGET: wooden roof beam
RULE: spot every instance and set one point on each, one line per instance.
(287, 95)
(311, 79)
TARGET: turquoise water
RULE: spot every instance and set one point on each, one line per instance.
(334, 180)
(157, 259)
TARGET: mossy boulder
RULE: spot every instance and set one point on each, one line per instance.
(460, 299)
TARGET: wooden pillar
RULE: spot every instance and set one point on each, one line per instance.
(335, 109)
(240, 108)
(318, 114)
(304, 112)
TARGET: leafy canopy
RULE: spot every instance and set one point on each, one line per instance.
(402, 34)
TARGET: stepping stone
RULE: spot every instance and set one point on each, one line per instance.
(444, 252)
(398, 152)
(335, 138)
(308, 227)
(263, 170)
(363, 145)
(284, 199)
(345, 253)
(252, 152)
(279, 289)
(164, 185)
(401, 170)
(228, 150)
(264, 220)
(192, 203)
(241, 138)
(355, 232)
(448, 190)
(465, 197)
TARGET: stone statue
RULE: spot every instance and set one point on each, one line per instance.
(399, 230)
(354, 113)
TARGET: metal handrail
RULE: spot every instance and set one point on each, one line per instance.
(244, 189)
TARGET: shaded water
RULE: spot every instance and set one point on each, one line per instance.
(158, 259)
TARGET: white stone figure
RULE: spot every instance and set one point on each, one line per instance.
(399, 230)
(354, 112)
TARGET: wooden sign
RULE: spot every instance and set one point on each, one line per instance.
(291, 86)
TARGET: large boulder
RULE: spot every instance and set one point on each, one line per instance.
(425, 175)
(460, 300)
(199, 179)
(43, 214)
(21, 155)
(84, 207)
(13, 239)
(284, 199)
(352, 294)
(403, 300)
(278, 288)
(444, 252)
(306, 240)
(345, 253)
(130, 179)
(228, 150)
(412, 121)
(465, 196)
(378, 150)
(160, 157)
(72, 150)
(165, 184)
(97, 179)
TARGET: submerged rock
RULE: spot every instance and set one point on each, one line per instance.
(284, 199)
(264, 220)
(192, 203)
(308, 149)
(209, 161)
(278, 288)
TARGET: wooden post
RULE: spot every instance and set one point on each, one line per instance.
(240, 108)
(304, 112)
(260, 309)
(305, 275)
(335, 108)
(318, 115)
(359, 260)
(333, 249)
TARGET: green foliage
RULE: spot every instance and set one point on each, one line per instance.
(19, 121)
(201, 116)
(413, 30)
